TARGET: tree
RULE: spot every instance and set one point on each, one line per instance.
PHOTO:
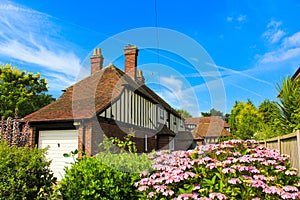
(212, 112)
(271, 126)
(23, 91)
(245, 120)
(289, 103)
(184, 113)
(227, 117)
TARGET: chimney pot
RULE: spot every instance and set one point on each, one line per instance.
(96, 61)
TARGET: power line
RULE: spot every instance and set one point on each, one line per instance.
(157, 42)
(156, 27)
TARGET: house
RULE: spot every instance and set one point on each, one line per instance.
(296, 75)
(110, 102)
(207, 130)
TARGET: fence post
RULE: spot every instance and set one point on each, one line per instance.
(298, 148)
(279, 144)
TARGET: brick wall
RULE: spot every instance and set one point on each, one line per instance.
(32, 137)
(95, 130)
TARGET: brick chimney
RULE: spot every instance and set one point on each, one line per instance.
(131, 53)
(96, 61)
(140, 78)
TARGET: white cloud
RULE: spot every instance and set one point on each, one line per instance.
(273, 34)
(30, 37)
(178, 93)
(64, 62)
(241, 18)
(287, 49)
(292, 41)
(245, 73)
(229, 19)
(280, 55)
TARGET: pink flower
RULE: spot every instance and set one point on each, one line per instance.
(143, 188)
(227, 170)
(196, 187)
(160, 188)
(144, 174)
(286, 195)
(290, 173)
(289, 188)
(187, 196)
(168, 193)
(259, 177)
(219, 196)
(151, 194)
(272, 190)
(234, 181)
(220, 152)
(280, 167)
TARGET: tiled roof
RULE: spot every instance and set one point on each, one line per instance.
(194, 120)
(208, 127)
(197, 120)
(91, 95)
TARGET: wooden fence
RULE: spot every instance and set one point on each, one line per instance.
(287, 144)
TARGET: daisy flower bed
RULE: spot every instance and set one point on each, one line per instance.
(234, 169)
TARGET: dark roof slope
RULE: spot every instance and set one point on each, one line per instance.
(296, 74)
(91, 95)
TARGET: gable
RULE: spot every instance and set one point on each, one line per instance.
(90, 96)
(83, 99)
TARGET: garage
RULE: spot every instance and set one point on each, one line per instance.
(59, 142)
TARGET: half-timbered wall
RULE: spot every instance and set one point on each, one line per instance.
(135, 109)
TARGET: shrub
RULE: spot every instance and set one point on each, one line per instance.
(91, 179)
(107, 176)
(234, 169)
(24, 173)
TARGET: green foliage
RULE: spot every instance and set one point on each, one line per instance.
(109, 175)
(124, 145)
(21, 90)
(114, 154)
(212, 112)
(24, 173)
(289, 103)
(272, 118)
(184, 113)
(227, 117)
(90, 178)
(271, 126)
(245, 120)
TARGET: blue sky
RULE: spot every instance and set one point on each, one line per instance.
(230, 50)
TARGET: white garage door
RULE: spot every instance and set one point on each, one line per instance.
(59, 142)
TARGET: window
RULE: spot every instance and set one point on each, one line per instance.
(174, 120)
(161, 113)
(181, 122)
(191, 126)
